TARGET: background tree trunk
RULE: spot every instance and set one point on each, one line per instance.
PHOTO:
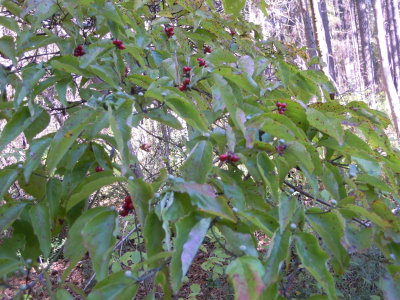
(325, 22)
(366, 61)
(390, 88)
(308, 30)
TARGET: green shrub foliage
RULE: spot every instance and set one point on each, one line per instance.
(267, 150)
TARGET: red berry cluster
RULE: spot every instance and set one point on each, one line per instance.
(229, 157)
(232, 32)
(280, 148)
(186, 81)
(99, 169)
(127, 207)
(79, 51)
(119, 44)
(281, 107)
(202, 62)
(207, 49)
(169, 31)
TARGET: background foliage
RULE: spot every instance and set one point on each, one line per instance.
(318, 180)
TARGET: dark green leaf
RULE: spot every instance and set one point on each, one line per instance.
(40, 219)
(314, 259)
(98, 238)
(199, 163)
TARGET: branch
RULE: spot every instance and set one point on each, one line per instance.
(321, 201)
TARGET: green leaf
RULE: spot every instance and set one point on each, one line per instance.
(245, 273)
(164, 118)
(8, 265)
(122, 133)
(373, 217)
(326, 124)
(199, 163)
(204, 198)
(233, 6)
(41, 121)
(330, 226)
(105, 73)
(53, 196)
(98, 238)
(115, 286)
(62, 294)
(9, 23)
(91, 184)
(190, 232)
(74, 247)
(31, 75)
(187, 111)
(142, 192)
(153, 234)
(267, 170)
(287, 208)
(239, 239)
(278, 250)
(67, 135)
(9, 213)
(91, 55)
(7, 178)
(390, 285)
(20, 121)
(40, 220)
(8, 48)
(69, 64)
(314, 259)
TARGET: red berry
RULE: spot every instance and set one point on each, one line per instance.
(186, 81)
(169, 31)
(130, 206)
(281, 111)
(182, 87)
(207, 49)
(235, 158)
(187, 69)
(223, 157)
(117, 42)
(232, 32)
(283, 105)
(280, 148)
(99, 169)
(123, 213)
(125, 206)
(79, 51)
(128, 199)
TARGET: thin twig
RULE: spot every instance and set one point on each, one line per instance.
(321, 201)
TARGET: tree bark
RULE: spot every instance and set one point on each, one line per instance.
(308, 30)
(390, 89)
(366, 61)
(325, 22)
(355, 47)
(394, 42)
(320, 36)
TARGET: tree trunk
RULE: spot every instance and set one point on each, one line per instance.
(320, 36)
(394, 43)
(308, 30)
(325, 22)
(390, 89)
(355, 48)
(366, 61)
